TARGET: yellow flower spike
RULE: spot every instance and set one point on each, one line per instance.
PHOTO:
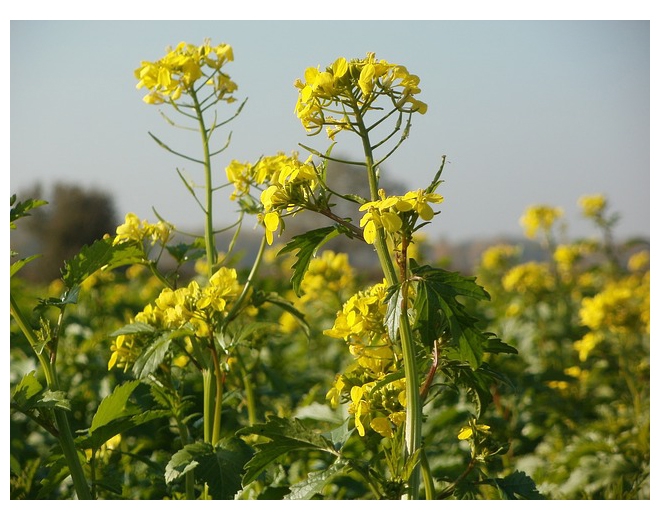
(592, 205)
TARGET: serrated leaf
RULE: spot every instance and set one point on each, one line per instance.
(27, 391)
(54, 399)
(134, 328)
(518, 485)
(221, 468)
(287, 435)
(19, 264)
(21, 209)
(101, 253)
(393, 314)
(153, 355)
(102, 434)
(114, 406)
(267, 454)
(307, 245)
(315, 482)
(437, 310)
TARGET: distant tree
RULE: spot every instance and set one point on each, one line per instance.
(73, 217)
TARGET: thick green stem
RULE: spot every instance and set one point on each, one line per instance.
(219, 387)
(413, 431)
(209, 237)
(207, 378)
(65, 436)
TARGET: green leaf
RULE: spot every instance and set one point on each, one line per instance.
(393, 314)
(315, 482)
(287, 435)
(307, 244)
(221, 468)
(27, 390)
(134, 328)
(21, 209)
(518, 485)
(149, 360)
(19, 264)
(114, 406)
(54, 399)
(96, 439)
(101, 253)
(438, 311)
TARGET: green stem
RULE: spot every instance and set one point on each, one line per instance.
(209, 237)
(219, 386)
(208, 404)
(413, 431)
(65, 436)
(429, 488)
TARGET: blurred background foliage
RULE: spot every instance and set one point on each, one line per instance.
(575, 415)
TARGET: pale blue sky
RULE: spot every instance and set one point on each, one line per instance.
(527, 112)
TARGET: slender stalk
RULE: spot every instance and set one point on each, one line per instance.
(208, 401)
(65, 436)
(413, 431)
(219, 387)
(209, 238)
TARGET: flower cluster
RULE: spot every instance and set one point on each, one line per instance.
(356, 84)
(530, 277)
(193, 307)
(539, 218)
(592, 206)
(181, 68)
(389, 213)
(374, 401)
(135, 230)
(290, 185)
(622, 307)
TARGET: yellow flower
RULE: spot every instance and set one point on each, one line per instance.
(467, 432)
(382, 425)
(539, 218)
(181, 67)
(271, 223)
(338, 83)
(498, 257)
(528, 277)
(639, 261)
(592, 205)
(589, 342)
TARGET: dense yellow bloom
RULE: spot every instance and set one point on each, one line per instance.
(362, 316)
(528, 277)
(192, 305)
(182, 67)
(265, 171)
(339, 83)
(328, 272)
(622, 306)
(135, 230)
(592, 205)
(290, 183)
(639, 261)
(387, 212)
(498, 257)
(589, 342)
(538, 218)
